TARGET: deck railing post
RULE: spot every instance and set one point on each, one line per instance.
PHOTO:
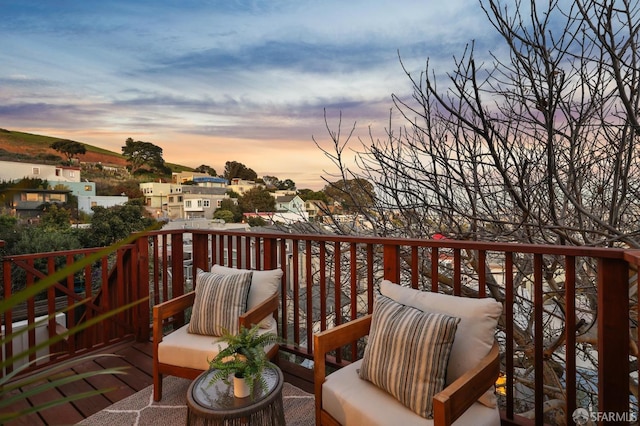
(177, 270)
(144, 317)
(270, 253)
(613, 336)
(200, 252)
(391, 262)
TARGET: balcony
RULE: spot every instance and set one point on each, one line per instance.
(547, 372)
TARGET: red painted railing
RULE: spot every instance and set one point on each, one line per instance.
(108, 282)
(329, 280)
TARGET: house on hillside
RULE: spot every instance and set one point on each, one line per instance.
(241, 186)
(86, 202)
(290, 209)
(14, 170)
(183, 177)
(27, 203)
(157, 194)
(290, 203)
(211, 182)
(79, 189)
(199, 202)
(315, 209)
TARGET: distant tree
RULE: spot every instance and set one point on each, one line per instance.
(230, 205)
(225, 215)
(351, 193)
(130, 188)
(256, 221)
(232, 194)
(206, 169)
(70, 149)
(8, 229)
(7, 222)
(308, 194)
(34, 239)
(233, 169)
(140, 153)
(270, 181)
(287, 184)
(257, 199)
(26, 183)
(112, 224)
(55, 217)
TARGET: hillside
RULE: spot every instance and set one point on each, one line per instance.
(27, 147)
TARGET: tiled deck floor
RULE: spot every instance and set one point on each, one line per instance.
(137, 356)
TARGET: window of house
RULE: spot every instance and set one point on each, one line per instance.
(171, 199)
(179, 199)
(199, 203)
(72, 173)
(187, 203)
(206, 203)
(35, 170)
(219, 203)
(31, 197)
(87, 187)
(58, 172)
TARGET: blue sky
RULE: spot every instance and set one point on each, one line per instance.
(213, 81)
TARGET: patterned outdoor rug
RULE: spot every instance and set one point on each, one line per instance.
(140, 409)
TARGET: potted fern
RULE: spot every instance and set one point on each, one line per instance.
(244, 358)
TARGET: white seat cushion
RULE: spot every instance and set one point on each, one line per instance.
(353, 401)
(194, 350)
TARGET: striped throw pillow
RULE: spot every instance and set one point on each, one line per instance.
(407, 353)
(219, 301)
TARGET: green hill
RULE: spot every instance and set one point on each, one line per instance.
(28, 147)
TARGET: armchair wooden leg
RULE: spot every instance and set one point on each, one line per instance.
(157, 386)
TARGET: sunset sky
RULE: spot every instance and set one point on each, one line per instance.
(213, 81)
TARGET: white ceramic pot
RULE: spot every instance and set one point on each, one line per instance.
(240, 387)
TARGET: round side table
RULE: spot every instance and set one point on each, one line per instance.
(215, 404)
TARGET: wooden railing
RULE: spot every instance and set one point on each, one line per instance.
(110, 281)
(329, 280)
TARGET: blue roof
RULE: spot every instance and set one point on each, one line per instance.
(208, 179)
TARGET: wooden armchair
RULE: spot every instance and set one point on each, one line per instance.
(471, 368)
(186, 355)
(448, 405)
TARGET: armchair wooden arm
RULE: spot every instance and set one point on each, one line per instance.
(166, 310)
(455, 399)
(329, 340)
(258, 313)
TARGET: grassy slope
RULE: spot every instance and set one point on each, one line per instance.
(33, 145)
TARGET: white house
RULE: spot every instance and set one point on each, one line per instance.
(13, 170)
(157, 194)
(85, 202)
(290, 203)
(241, 186)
